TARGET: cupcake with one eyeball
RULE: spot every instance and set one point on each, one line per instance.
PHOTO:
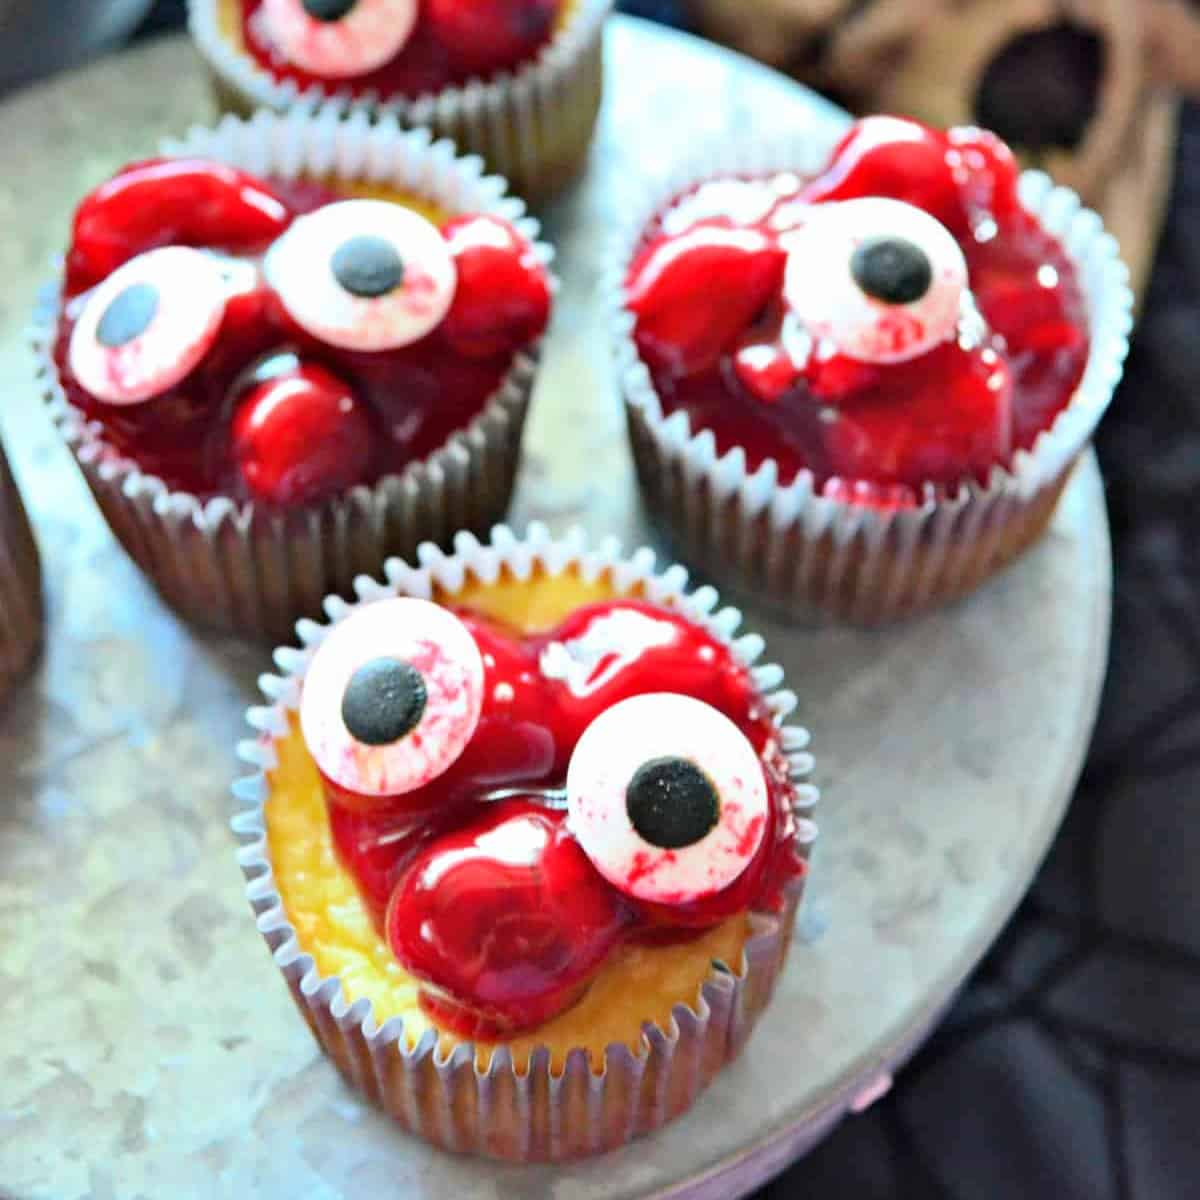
(913, 346)
(526, 838)
(517, 82)
(291, 347)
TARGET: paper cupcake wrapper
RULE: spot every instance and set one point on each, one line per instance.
(20, 585)
(811, 557)
(533, 126)
(238, 566)
(538, 1114)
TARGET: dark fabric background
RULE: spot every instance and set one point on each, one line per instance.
(1070, 1067)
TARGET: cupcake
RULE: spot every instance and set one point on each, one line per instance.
(912, 348)
(20, 586)
(526, 838)
(515, 81)
(353, 379)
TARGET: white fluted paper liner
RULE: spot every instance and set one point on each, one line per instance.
(811, 557)
(20, 585)
(532, 126)
(246, 569)
(538, 1114)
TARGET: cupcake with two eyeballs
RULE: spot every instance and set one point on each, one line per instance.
(913, 346)
(526, 839)
(516, 81)
(289, 348)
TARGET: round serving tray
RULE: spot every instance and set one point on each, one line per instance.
(150, 1048)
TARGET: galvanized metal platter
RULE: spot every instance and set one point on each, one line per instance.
(148, 1047)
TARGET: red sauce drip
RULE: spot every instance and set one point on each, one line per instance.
(494, 905)
(427, 62)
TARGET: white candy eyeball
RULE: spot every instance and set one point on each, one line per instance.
(337, 39)
(363, 274)
(147, 325)
(667, 798)
(392, 697)
(881, 280)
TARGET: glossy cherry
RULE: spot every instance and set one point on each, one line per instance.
(504, 920)
(733, 272)
(164, 202)
(300, 436)
(502, 296)
(487, 35)
(905, 432)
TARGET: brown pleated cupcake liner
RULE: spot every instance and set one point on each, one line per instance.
(244, 568)
(533, 126)
(812, 557)
(21, 612)
(536, 1114)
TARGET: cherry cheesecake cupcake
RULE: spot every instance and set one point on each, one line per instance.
(288, 348)
(526, 836)
(912, 347)
(21, 612)
(516, 81)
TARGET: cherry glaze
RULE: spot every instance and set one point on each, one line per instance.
(453, 42)
(517, 854)
(409, 401)
(850, 422)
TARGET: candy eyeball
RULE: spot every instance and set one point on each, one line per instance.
(667, 797)
(879, 279)
(338, 39)
(392, 697)
(147, 325)
(363, 275)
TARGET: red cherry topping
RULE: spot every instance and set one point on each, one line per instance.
(487, 35)
(905, 432)
(897, 158)
(502, 300)
(986, 172)
(694, 295)
(504, 920)
(170, 202)
(300, 435)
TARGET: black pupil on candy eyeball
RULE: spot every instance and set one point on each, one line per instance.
(328, 10)
(892, 269)
(368, 266)
(383, 701)
(671, 803)
(128, 315)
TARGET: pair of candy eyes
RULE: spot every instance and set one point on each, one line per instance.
(665, 794)
(363, 275)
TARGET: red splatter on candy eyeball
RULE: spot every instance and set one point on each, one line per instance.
(338, 39)
(392, 697)
(667, 798)
(147, 325)
(363, 275)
